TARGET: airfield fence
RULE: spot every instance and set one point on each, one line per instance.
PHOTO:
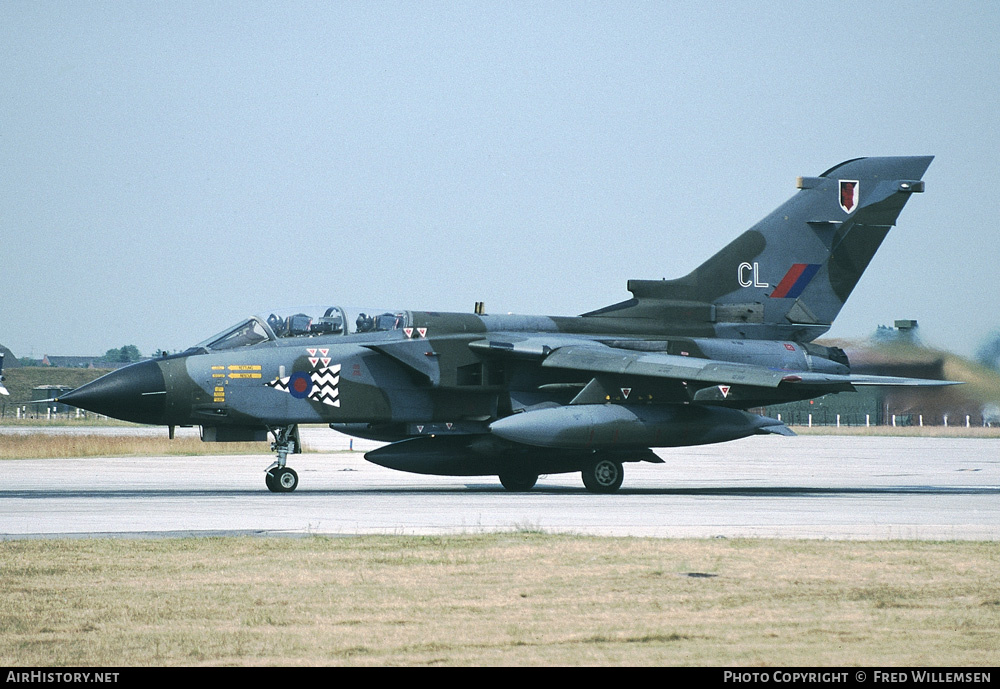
(887, 417)
(790, 415)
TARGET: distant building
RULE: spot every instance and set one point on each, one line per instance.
(905, 330)
(875, 405)
(47, 392)
(70, 361)
(84, 362)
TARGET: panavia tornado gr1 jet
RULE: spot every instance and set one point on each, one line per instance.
(464, 394)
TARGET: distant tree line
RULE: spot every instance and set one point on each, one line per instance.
(125, 354)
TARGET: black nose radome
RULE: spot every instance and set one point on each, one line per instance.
(134, 393)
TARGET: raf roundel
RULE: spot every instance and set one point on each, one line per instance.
(299, 385)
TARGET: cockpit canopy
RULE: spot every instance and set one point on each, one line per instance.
(306, 322)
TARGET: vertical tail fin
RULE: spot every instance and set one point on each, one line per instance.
(789, 275)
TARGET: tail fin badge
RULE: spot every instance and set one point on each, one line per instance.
(848, 194)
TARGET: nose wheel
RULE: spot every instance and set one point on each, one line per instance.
(280, 478)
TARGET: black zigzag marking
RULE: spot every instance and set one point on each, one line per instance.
(325, 381)
(326, 398)
(278, 384)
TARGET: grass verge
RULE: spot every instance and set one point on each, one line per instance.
(42, 445)
(904, 431)
(47, 446)
(65, 420)
(507, 599)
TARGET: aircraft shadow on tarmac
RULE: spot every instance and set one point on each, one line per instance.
(714, 491)
(773, 491)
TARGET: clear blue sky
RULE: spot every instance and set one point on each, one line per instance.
(168, 167)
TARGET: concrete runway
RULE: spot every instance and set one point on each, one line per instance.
(806, 487)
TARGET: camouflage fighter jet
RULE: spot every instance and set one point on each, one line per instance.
(464, 394)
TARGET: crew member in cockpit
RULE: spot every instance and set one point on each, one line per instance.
(277, 324)
(365, 323)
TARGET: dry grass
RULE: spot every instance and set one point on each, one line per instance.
(513, 599)
(67, 420)
(906, 431)
(45, 446)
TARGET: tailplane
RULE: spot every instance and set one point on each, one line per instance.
(789, 275)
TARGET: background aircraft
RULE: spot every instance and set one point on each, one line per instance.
(3, 389)
(462, 394)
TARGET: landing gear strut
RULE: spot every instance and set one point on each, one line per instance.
(280, 478)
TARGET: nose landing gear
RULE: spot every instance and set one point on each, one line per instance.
(280, 478)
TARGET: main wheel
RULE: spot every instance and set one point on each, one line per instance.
(603, 476)
(518, 481)
(282, 480)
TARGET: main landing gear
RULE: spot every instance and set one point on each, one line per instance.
(603, 476)
(518, 480)
(280, 478)
(599, 476)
